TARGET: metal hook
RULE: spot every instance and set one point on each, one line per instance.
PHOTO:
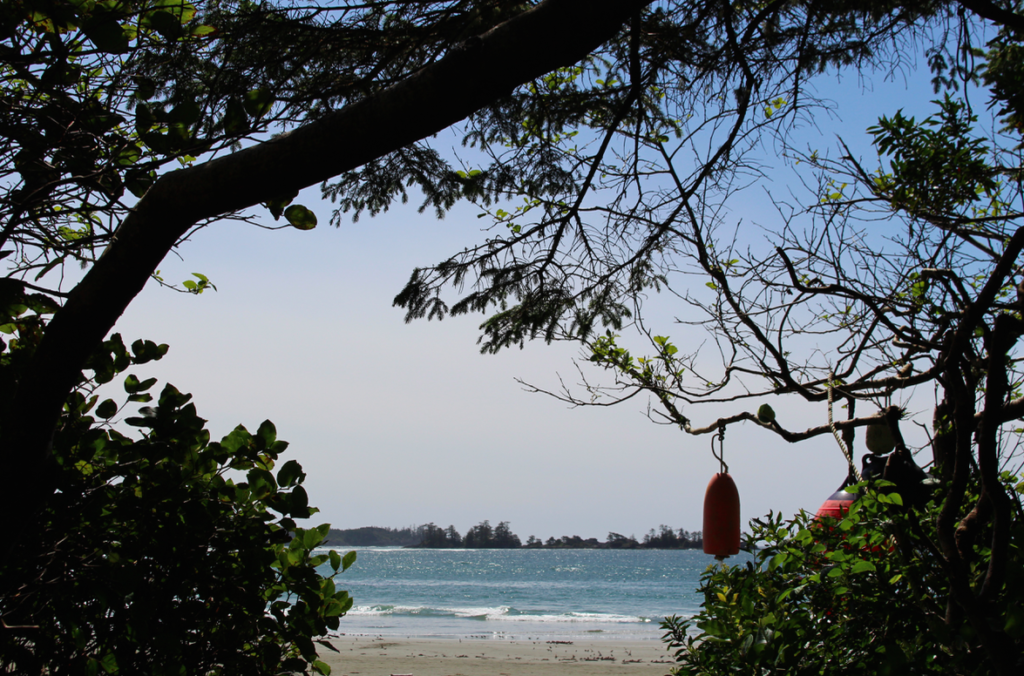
(720, 456)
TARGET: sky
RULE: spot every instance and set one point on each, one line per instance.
(399, 424)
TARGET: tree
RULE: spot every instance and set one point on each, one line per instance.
(843, 314)
(432, 536)
(480, 536)
(193, 87)
(99, 102)
(167, 553)
(619, 541)
(690, 540)
(665, 538)
(955, 292)
(504, 538)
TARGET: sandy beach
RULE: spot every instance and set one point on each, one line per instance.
(391, 656)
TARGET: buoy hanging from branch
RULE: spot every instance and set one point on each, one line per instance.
(721, 508)
(879, 439)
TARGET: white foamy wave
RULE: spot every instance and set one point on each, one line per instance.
(574, 617)
(469, 613)
(500, 613)
(370, 610)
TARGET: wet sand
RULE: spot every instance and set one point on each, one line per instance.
(391, 656)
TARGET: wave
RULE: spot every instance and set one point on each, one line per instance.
(500, 613)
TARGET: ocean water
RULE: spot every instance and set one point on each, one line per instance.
(548, 594)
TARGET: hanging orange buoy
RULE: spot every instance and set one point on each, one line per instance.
(721, 517)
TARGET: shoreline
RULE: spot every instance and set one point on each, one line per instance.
(399, 655)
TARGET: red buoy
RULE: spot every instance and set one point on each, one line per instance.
(837, 505)
(721, 517)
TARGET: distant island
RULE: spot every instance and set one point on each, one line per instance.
(485, 536)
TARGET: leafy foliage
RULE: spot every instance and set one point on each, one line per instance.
(863, 594)
(937, 166)
(164, 554)
(84, 124)
(584, 181)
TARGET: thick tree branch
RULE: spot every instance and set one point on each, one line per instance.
(995, 14)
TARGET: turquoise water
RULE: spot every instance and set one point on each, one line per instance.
(547, 594)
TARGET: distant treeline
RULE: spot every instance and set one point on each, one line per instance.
(485, 536)
(375, 536)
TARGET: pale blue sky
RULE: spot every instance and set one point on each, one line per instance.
(403, 424)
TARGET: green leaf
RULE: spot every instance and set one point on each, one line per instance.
(145, 88)
(137, 421)
(713, 628)
(276, 205)
(1014, 625)
(164, 23)
(198, 287)
(261, 483)
(129, 155)
(300, 217)
(335, 560)
(863, 567)
(138, 182)
(107, 409)
(258, 102)
(348, 560)
(145, 118)
(346, 601)
(106, 33)
(335, 609)
(133, 386)
(290, 474)
(311, 538)
(235, 120)
(185, 113)
(109, 663)
(266, 435)
(147, 351)
(299, 502)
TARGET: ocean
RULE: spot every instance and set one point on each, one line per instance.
(546, 594)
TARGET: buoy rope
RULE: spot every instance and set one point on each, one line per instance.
(720, 456)
(835, 432)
